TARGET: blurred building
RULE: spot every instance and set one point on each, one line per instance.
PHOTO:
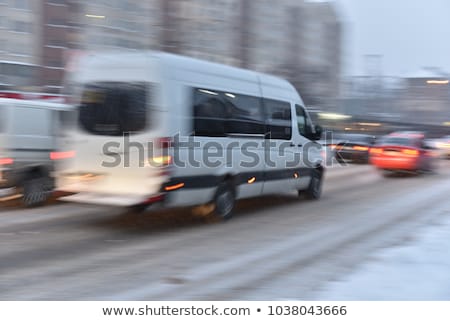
(425, 96)
(74, 26)
(274, 40)
(114, 25)
(420, 97)
(321, 53)
(55, 30)
(205, 29)
(295, 39)
(20, 43)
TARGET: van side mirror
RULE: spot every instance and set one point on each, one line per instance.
(318, 132)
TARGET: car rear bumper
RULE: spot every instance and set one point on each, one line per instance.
(8, 194)
(361, 156)
(395, 163)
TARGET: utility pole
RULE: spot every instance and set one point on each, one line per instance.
(373, 84)
(294, 69)
(243, 30)
(169, 40)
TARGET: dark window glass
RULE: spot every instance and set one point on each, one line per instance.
(397, 141)
(301, 120)
(67, 119)
(366, 139)
(209, 113)
(278, 118)
(113, 109)
(244, 114)
(219, 113)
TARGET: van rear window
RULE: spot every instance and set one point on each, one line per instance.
(113, 108)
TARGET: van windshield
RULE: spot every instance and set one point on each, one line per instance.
(113, 108)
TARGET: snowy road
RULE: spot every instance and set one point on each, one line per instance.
(274, 248)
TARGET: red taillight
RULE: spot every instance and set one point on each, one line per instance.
(410, 152)
(162, 158)
(376, 150)
(164, 142)
(62, 155)
(155, 199)
(6, 161)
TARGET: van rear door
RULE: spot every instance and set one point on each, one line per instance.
(117, 159)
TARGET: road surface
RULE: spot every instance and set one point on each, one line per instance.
(275, 248)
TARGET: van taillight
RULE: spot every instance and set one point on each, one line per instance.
(163, 159)
(164, 142)
(62, 155)
(6, 161)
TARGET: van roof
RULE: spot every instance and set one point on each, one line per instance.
(109, 58)
(35, 104)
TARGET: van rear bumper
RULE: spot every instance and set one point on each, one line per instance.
(9, 194)
(7, 191)
(111, 199)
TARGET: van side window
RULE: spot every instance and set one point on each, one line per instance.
(218, 113)
(209, 113)
(245, 114)
(31, 121)
(278, 119)
(301, 120)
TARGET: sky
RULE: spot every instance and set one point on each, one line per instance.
(404, 34)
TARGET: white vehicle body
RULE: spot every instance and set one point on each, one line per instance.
(28, 136)
(216, 106)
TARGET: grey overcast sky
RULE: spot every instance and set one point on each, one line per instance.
(408, 34)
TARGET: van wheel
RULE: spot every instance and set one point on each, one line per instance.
(36, 191)
(314, 190)
(137, 209)
(224, 201)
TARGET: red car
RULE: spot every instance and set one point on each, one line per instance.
(403, 152)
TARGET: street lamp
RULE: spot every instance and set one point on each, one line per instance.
(437, 82)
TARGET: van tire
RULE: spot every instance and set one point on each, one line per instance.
(224, 200)
(36, 191)
(138, 208)
(314, 190)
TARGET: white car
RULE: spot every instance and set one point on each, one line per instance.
(28, 138)
(443, 145)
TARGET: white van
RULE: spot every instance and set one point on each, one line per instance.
(160, 128)
(28, 136)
